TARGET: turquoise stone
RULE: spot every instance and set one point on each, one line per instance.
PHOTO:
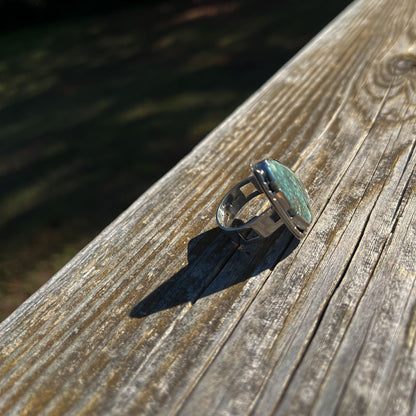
(281, 178)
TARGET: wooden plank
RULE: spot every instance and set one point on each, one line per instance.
(161, 313)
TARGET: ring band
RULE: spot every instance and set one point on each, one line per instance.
(288, 202)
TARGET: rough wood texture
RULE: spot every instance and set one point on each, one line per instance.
(162, 314)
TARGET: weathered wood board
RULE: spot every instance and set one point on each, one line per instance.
(163, 314)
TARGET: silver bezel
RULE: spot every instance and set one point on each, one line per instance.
(296, 224)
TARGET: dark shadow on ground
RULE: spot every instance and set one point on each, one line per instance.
(219, 264)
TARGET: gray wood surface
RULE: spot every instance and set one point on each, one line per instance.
(162, 314)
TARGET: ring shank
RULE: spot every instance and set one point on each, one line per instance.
(263, 224)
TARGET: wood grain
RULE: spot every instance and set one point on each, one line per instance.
(162, 314)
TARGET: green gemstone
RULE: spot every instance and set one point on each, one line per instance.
(284, 180)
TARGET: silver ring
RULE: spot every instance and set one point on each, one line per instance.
(287, 203)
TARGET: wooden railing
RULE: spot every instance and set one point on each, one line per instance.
(163, 314)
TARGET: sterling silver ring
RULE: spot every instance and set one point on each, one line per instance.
(287, 203)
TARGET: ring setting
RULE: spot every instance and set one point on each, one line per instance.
(287, 201)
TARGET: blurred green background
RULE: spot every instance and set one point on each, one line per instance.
(100, 99)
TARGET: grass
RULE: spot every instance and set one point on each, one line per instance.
(94, 110)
